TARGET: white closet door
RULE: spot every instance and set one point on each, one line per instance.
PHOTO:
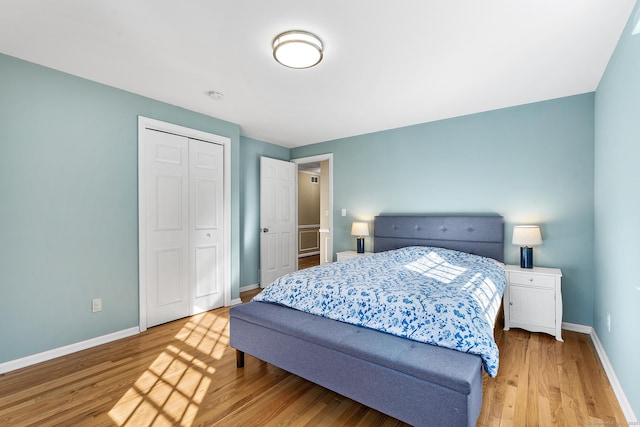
(167, 223)
(206, 202)
(185, 227)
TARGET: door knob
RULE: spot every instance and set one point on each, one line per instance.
(265, 230)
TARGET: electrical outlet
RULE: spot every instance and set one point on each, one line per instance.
(344, 212)
(96, 305)
(608, 322)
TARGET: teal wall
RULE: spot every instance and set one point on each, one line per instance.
(68, 205)
(250, 152)
(617, 207)
(531, 164)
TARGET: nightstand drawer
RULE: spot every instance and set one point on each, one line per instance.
(537, 280)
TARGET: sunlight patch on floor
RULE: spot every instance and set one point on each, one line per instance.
(170, 391)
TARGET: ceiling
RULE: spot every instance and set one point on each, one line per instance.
(386, 64)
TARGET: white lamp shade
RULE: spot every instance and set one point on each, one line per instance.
(526, 235)
(360, 229)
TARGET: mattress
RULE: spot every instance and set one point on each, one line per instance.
(432, 295)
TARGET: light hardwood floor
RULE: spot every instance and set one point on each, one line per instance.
(183, 373)
(308, 261)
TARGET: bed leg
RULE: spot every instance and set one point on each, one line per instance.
(239, 359)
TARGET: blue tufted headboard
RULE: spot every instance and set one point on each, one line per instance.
(479, 235)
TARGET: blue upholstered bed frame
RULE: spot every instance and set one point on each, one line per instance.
(417, 383)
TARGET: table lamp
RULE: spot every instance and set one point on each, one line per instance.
(526, 236)
(360, 229)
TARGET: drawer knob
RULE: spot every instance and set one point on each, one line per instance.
(531, 279)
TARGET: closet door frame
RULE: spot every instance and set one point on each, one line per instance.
(145, 123)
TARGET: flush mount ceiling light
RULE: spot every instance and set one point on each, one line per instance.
(297, 49)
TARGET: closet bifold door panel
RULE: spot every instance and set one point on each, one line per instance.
(206, 198)
(184, 226)
(167, 234)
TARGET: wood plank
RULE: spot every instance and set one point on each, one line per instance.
(184, 373)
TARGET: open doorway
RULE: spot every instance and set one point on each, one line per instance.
(315, 210)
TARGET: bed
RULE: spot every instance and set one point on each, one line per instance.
(417, 382)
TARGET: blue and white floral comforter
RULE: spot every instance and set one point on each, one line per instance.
(432, 295)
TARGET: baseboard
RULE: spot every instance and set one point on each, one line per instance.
(249, 287)
(613, 379)
(245, 289)
(574, 327)
(23, 362)
(306, 254)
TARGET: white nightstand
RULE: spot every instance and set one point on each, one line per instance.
(350, 254)
(533, 300)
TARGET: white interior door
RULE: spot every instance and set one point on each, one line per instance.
(206, 199)
(167, 227)
(278, 227)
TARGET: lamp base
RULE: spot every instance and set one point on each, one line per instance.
(360, 245)
(526, 257)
